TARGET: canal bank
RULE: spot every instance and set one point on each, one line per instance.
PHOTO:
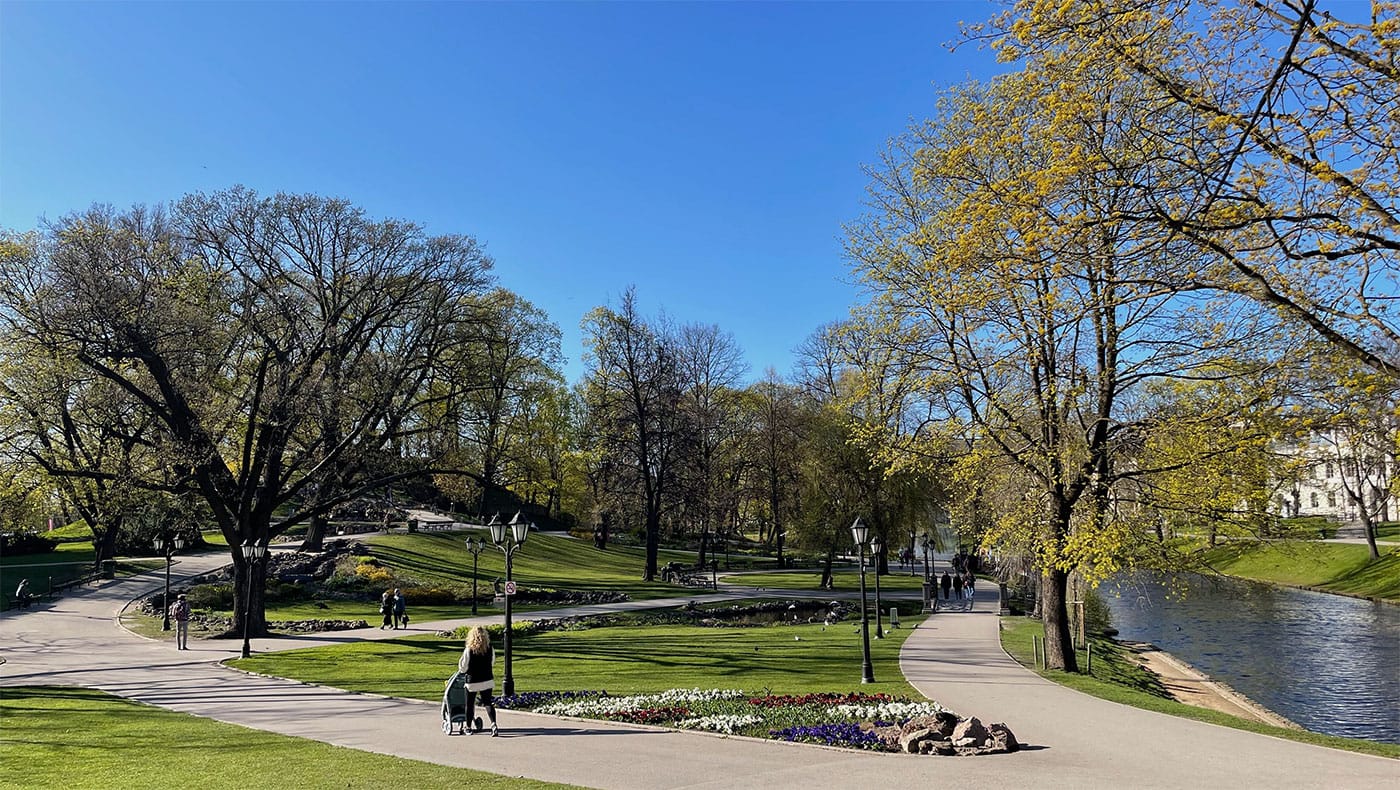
(1190, 686)
(1327, 662)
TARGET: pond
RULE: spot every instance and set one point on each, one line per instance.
(1328, 662)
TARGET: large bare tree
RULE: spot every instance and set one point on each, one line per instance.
(278, 344)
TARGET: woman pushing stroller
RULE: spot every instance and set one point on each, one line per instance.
(477, 659)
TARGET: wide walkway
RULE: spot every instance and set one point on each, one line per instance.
(1076, 741)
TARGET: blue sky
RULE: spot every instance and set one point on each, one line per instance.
(706, 153)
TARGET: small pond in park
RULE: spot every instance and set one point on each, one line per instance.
(1328, 662)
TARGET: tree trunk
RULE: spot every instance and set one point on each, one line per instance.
(243, 607)
(1059, 647)
(104, 545)
(653, 543)
(1369, 524)
(315, 534)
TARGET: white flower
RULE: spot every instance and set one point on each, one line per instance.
(886, 711)
(606, 706)
(724, 724)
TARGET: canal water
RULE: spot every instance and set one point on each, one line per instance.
(1328, 662)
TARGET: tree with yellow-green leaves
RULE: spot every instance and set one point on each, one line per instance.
(1275, 121)
(1008, 293)
(1350, 419)
(1214, 447)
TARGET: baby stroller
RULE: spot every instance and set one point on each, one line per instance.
(454, 706)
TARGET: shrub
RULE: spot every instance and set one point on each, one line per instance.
(373, 574)
(428, 596)
(26, 543)
(279, 591)
(210, 596)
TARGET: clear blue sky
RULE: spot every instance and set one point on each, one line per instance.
(706, 153)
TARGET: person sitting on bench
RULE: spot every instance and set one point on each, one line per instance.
(22, 596)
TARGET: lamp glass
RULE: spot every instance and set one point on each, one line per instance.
(521, 529)
(498, 531)
(179, 543)
(859, 531)
(877, 545)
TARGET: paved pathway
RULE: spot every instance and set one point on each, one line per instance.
(1076, 741)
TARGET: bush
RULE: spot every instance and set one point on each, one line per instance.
(282, 591)
(428, 596)
(210, 596)
(374, 574)
(1097, 619)
(26, 543)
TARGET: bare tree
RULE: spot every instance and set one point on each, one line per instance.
(228, 321)
(634, 396)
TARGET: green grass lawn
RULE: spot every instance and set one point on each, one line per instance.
(1334, 567)
(620, 659)
(428, 559)
(1117, 677)
(66, 738)
(843, 579)
(545, 561)
(1389, 530)
(66, 562)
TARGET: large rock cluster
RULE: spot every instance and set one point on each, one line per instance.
(946, 734)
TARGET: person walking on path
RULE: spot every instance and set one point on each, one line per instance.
(476, 662)
(947, 584)
(22, 596)
(386, 608)
(400, 610)
(180, 613)
(969, 584)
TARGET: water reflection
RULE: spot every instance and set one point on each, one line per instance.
(1330, 663)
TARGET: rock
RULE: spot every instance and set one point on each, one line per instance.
(1001, 739)
(943, 723)
(969, 732)
(911, 742)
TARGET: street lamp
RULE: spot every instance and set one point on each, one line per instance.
(475, 546)
(252, 553)
(877, 547)
(169, 546)
(930, 596)
(509, 541)
(867, 673)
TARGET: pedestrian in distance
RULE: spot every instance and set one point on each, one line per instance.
(400, 610)
(386, 608)
(947, 584)
(22, 596)
(476, 662)
(180, 613)
(969, 585)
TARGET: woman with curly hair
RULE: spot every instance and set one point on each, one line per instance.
(477, 659)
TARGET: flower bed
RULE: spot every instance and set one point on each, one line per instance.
(854, 721)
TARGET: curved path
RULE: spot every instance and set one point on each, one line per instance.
(1077, 741)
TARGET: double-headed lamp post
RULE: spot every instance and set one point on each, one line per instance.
(475, 546)
(253, 552)
(169, 544)
(877, 547)
(509, 541)
(930, 596)
(867, 673)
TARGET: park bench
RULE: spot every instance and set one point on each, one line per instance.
(691, 575)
